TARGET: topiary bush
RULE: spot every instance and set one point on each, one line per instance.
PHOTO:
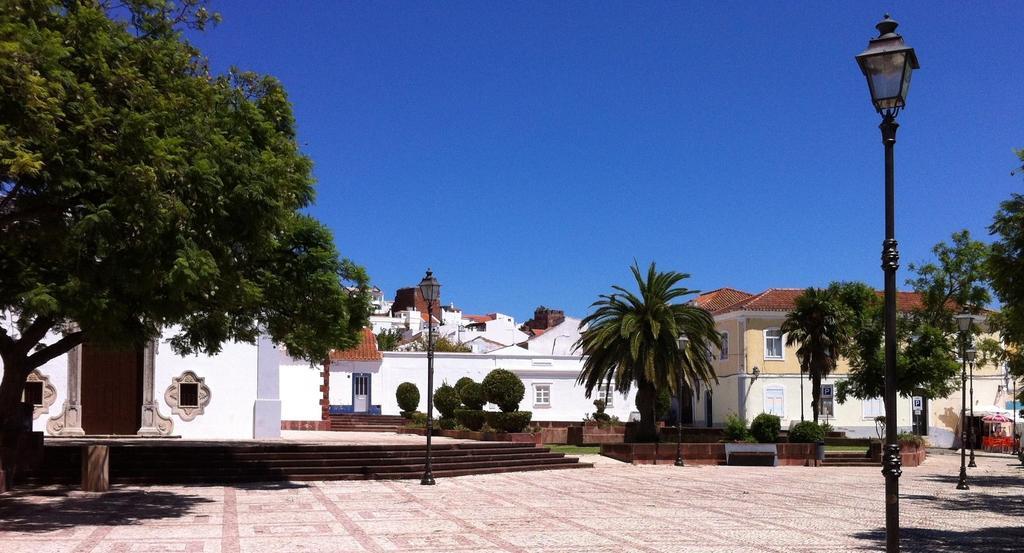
(735, 429)
(408, 396)
(472, 395)
(663, 404)
(806, 432)
(600, 416)
(447, 423)
(472, 419)
(462, 382)
(504, 389)
(446, 401)
(513, 421)
(765, 428)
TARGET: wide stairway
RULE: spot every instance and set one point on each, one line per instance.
(848, 459)
(197, 462)
(366, 423)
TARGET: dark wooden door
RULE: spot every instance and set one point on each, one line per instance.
(111, 390)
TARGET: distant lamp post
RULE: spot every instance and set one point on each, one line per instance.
(887, 64)
(1016, 442)
(683, 342)
(430, 289)
(963, 322)
(971, 355)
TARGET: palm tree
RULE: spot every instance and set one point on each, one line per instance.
(817, 325)
(632, 338)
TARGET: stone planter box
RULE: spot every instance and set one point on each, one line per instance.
(785, 454)
(910, 455)
(554, 435)
(515, 437)
(595, 435)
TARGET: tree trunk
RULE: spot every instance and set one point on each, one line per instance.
(646, 400)
(815, 393)
(11, 387)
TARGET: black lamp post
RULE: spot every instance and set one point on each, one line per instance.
(430, 288)
(683, 343)
(1016, 444)
(971, 355)
(963, 321)
(887, 64)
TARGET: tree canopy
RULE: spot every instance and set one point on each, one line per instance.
(631, 338)
(139, 192)
(820, 328)
(1006, 269)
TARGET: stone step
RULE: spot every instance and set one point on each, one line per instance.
(138, 465)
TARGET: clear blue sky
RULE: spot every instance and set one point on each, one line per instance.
(529, 151)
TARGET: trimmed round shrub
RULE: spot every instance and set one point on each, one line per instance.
(472, 395)
(408, 396)
(472, 419)
(806, 432)
(462, 382)
(504, 389)
(509, 421)
(446, 401)
(735, 429)
(765, 428)
(446, 423)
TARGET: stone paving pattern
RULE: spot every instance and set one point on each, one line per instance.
(612, 508)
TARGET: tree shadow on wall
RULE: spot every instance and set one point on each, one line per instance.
(928, 540)
(63, 508)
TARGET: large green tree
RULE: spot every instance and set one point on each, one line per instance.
(139, 192)
(1006, 269)
(926, 360)
(631, 338)
(819, 327)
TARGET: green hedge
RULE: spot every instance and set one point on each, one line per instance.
(446, 401)
(460, 383)
(472, 419)
(446, 423)
(472, 395)
(504, 389)
(514, 421)
(408, 396)
(735, 429)
(765, 428)
(806, 432)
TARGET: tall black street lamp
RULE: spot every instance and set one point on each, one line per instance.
(963, 322)
(430, 289)
(887, 64)
(972, 354)
(683, 343)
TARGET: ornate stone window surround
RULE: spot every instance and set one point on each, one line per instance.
(174, 395)
(49, 394)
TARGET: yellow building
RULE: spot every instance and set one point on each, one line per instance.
(759, 373)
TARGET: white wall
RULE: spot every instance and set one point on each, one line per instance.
(568, 402)
(300, 391)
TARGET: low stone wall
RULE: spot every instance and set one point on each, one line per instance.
(594, 435)
(911, 455)
(516, 437)
(305, 425)
(702, 453)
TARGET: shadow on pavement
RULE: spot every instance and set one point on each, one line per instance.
(54, 509)
(978, 540)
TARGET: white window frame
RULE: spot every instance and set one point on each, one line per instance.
(764, 399)
(606, 392)
(537, 387)
(865, 414)
(723, 354)
(782, 345)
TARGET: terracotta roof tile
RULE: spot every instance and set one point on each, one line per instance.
(479, 318)
(784, 299)
(365, 351)
(717, 300)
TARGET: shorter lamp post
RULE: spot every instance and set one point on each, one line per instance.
(1013, 433)
(972, 354)
(963, 322)
(683, 344)
(430, 288)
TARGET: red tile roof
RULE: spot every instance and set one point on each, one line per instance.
(365, 351)
(716, 300)
(479, 318)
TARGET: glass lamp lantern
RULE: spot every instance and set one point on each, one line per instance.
(964, 320)
(971, 354)
(430, 288)
(887, 64)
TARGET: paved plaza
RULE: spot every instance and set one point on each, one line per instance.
(611, 508)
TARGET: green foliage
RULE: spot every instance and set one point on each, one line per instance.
(504, 389)
(441, 345)
(956, 278)
(447, 423)
(509, 421)
(389, 339)
(664, 404)
(632, 339)
(806, 432)
(826, 428)
(819, 327)
(1005, 265)
(911, 439)
(408, 396)
(138, 192)
(600, 405)
(462, 382)
(765, 428)
(417, 420)
(446, 401)
(472, 395)
(735, 429)
(472, 419)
